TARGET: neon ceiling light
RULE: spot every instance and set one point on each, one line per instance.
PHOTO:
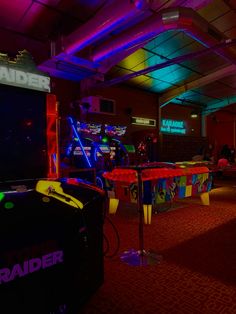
(112, 16)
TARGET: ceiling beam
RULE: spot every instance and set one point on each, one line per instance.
(217, 105)
(167, 97)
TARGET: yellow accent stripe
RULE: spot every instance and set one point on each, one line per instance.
(54, 189)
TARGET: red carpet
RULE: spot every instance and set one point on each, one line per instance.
(198, 271)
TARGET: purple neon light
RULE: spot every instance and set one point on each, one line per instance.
(181, 19)
(30, 266)
(138, 36)
(106, 20)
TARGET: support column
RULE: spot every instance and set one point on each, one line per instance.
(160, 135)
(203, 125)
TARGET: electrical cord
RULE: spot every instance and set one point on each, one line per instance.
(107, 241)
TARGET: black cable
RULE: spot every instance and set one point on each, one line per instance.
(107, 245)
(107, 241)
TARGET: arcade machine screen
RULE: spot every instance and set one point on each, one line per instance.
(78, 151)
(105, 149)
(89, 128)
(115, 131)
(23, 141)
(87, 132)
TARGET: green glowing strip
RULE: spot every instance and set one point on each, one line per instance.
(2, 195)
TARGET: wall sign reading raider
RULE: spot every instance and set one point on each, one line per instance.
(24, 79)
(22, 72)
(173, 126)
(30, 266)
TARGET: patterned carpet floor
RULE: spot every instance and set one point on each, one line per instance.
(198, 272)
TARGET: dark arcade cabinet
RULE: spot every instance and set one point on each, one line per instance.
(51, 252)
(51, 229)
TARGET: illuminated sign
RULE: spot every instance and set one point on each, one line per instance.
(173, 126)
(143, 121)
(19, 78)
(22, 72)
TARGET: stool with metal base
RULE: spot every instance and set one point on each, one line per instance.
(140, 257)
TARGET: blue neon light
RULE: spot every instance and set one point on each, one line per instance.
(99, 182)
(95, 153)
(80, 143)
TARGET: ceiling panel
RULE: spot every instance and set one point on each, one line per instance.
(81, 9)
(213, 10)
(160, 86)
(225, 21)
(32, 24)
(231, 33)
(217, 90)
(206, 64)
(194, 97)
(174, 74)
(11, 12)
(230, 81)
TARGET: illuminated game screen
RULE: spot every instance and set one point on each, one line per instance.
(113, 130)
(104, 148)
(89, 128)
(23, 139)
(78, 151)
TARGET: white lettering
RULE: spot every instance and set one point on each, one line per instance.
(21, 77)
(33, 80)
(24, 79)
(12, 74)
(44, 82)
(4, 74)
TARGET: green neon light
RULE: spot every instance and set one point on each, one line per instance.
(2, 195)
(9, 205)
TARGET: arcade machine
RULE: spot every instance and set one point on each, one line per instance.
(131, 152)
(51, 228)
(118, 152)
(110, 151)
(79, 151)
(96, 147)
